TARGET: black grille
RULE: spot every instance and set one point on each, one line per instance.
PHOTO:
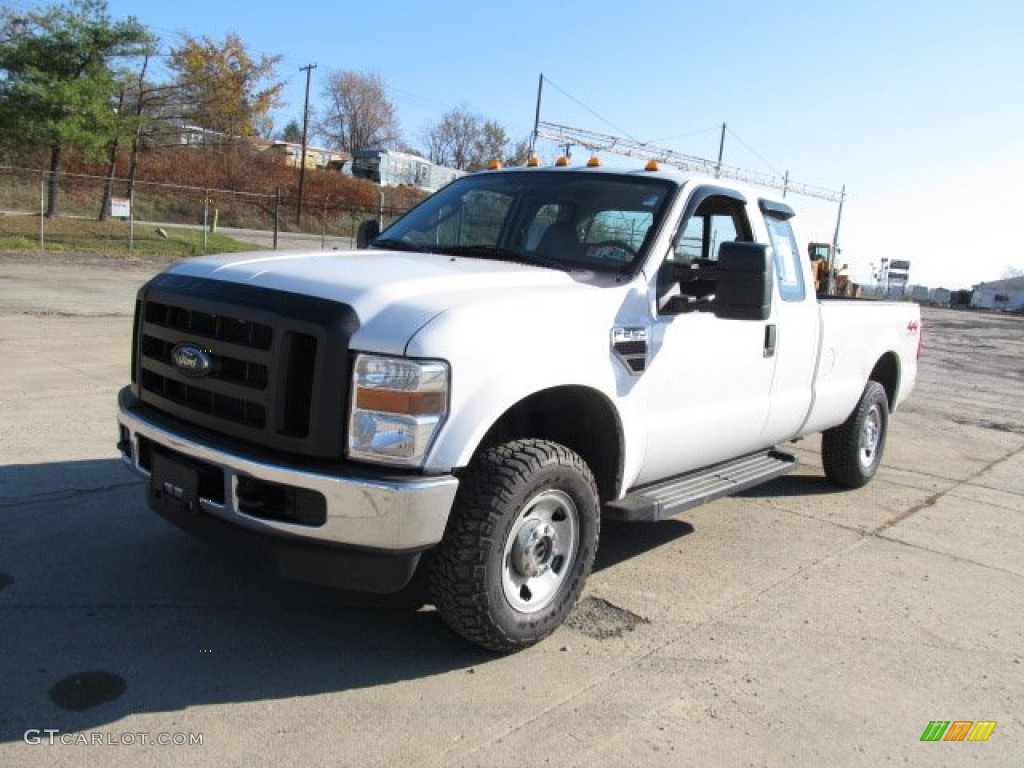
(219, 327)
(236, 409)
(277, 370)
(301, 366)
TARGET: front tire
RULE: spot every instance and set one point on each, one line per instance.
(852, 452)
(519, 545)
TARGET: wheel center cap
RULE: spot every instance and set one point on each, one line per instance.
(534, 549)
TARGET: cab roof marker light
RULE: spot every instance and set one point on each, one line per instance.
(652, 165)
(594, 162)
(562, 161)
(533, 161)
(494, 164)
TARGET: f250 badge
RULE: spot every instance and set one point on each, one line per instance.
(191, 360)
(629, 343)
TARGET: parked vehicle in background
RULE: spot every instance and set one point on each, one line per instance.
(392, 169)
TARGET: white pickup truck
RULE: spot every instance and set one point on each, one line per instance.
(526, 351)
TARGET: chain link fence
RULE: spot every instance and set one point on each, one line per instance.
(97, 213)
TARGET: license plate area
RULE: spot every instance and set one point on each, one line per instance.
(173, 485)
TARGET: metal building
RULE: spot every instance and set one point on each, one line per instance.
(1000, 294)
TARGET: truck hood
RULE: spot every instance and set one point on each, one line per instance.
(393, 293)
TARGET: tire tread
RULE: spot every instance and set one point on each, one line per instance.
(839, 445)
(457, 575)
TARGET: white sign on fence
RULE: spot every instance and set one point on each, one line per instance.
(120, 207)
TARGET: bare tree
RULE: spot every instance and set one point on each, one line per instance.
(465, 140)
(452, 141)
(1011, 272)
(358, 113)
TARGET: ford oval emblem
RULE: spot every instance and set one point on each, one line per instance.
(191, 360)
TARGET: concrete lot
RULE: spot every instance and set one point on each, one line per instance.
(793, 626)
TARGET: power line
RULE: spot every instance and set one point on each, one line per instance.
(688, 134)
(750, 149)
(604, 120)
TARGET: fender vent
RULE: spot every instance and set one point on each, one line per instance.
(630, 346)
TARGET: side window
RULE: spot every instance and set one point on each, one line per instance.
(717, 220)
(787, 258)
(422, 174)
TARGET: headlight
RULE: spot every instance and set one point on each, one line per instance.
(398, 407)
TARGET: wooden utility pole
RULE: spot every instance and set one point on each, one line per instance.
(308, 69)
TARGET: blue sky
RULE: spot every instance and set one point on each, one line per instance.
(917, 107)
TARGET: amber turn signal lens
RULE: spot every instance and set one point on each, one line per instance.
(397, 401)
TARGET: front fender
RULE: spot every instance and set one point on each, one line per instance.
(497, 364)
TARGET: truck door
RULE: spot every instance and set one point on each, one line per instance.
(796, 320)
(709, 380)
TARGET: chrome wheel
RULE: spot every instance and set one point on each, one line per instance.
(539, 551)
(870, 436)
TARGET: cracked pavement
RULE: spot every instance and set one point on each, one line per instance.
(793, 625)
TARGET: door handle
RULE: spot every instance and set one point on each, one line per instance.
(771, 339)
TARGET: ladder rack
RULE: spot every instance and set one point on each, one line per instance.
(602, 142)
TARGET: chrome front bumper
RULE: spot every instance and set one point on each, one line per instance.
(387, 515)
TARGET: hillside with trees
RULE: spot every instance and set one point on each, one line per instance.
(78, 95)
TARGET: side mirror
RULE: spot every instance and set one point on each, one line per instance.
(745, 274)
(368, 230)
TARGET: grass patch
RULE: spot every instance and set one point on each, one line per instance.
(21, 233)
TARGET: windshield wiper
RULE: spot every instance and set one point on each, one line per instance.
(395, 245)
(503, 254)
(545, 261)
(481, 251)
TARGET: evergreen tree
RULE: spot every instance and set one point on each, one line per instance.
(60, 88)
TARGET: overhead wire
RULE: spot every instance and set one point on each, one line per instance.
(753, 151)
(686, 135)
(600, 117)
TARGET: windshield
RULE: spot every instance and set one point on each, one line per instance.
(561, 219)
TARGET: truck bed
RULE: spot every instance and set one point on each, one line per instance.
(856, 336)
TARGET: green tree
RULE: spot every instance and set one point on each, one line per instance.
(292, 132)
(60, 88)
(492, 143)
(224, 89)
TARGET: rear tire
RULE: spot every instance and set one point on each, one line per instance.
(519, 545)
(852, 452)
